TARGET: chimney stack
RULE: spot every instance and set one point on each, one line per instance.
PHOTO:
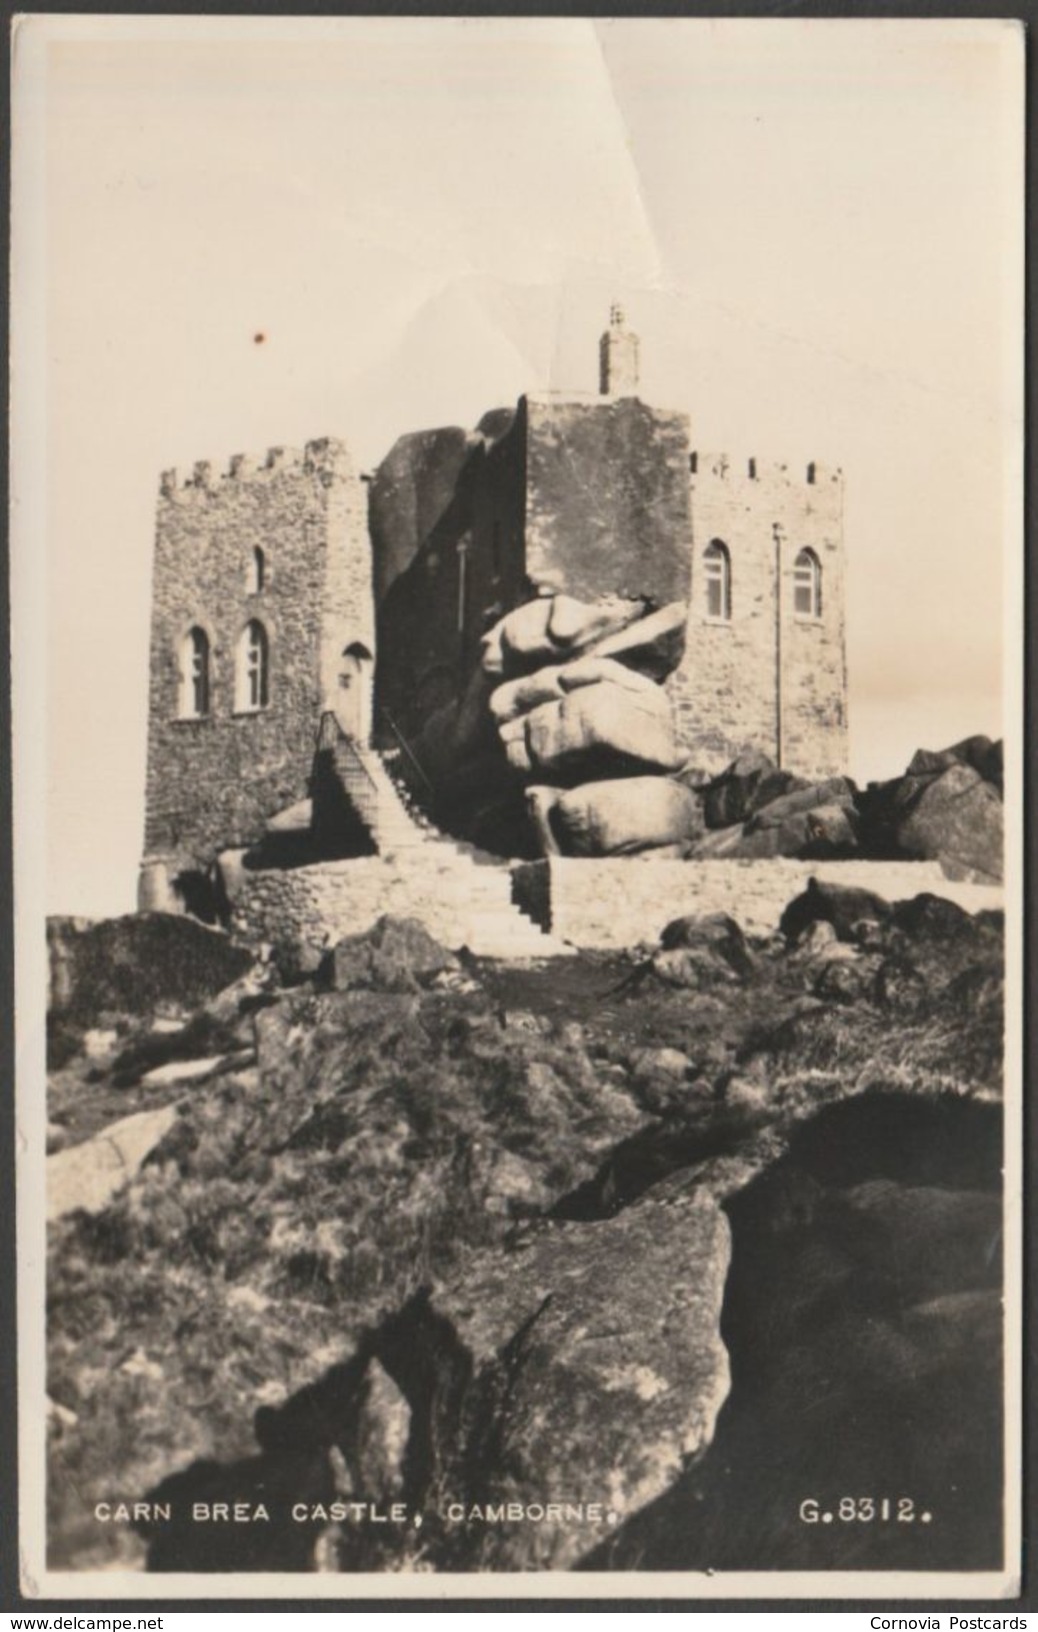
(618, 358)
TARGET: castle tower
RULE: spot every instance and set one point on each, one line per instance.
(765, 653)
(583, 495)
(262, 619)
(618, 358)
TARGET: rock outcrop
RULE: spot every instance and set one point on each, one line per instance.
(498, 1246)
(950, 814)
(744, 787)
(836, 904)
(947, 807)
(580, 1368)
(396, 955)
(145, 964)
(616, 818)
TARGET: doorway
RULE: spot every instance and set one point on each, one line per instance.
(354, 693)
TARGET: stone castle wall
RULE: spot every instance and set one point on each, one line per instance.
(212, 781)
(409, 493)
(765, 677)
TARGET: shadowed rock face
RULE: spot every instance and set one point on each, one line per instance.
(956, 818)
(501, 558)
(834, 904)
(695, 1250)
(863, 1321)
(745, 786)
(541, 1384)
(142, 964)
(412, 491)
(947, 807)
(396, 955)
(106, 971)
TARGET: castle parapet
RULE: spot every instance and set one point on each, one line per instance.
(329, 456)
(732, 468)
(326, 456)
(279, 459)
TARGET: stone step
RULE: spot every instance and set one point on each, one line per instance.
(486, 945)
(478, 910)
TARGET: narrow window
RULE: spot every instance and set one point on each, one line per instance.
(253, 678)
(717, 576)
(463, 561)
(807, 585)
(194, 675)
(256, 578)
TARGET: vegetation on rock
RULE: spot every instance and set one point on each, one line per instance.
(394, 1253)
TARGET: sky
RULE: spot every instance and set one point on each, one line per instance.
(816, 227)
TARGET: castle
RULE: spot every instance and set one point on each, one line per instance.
(298, 589)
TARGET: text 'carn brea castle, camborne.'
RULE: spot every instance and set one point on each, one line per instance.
(294, 588)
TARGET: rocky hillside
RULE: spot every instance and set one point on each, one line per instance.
(610, 1262)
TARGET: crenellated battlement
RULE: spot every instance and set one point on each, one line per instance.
(261, 582)
(733, 469)
(765, 656)
(326, 456)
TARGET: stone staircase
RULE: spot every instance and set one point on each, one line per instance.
(379, 802)
(462, 893)
(474, 908)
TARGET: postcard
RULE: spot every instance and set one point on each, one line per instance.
(517, 682)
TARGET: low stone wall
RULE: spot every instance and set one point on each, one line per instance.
(617, 903)
(303, 911)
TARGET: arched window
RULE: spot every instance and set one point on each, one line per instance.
(193, 702)
(253, 669)
(256, 576)
(807, 585)
(717, 577)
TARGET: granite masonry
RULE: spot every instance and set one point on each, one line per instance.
(294, 595)
(765, 652)
(262, 617)
(557, 903)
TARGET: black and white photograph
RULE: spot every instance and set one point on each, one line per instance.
(517, 650)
